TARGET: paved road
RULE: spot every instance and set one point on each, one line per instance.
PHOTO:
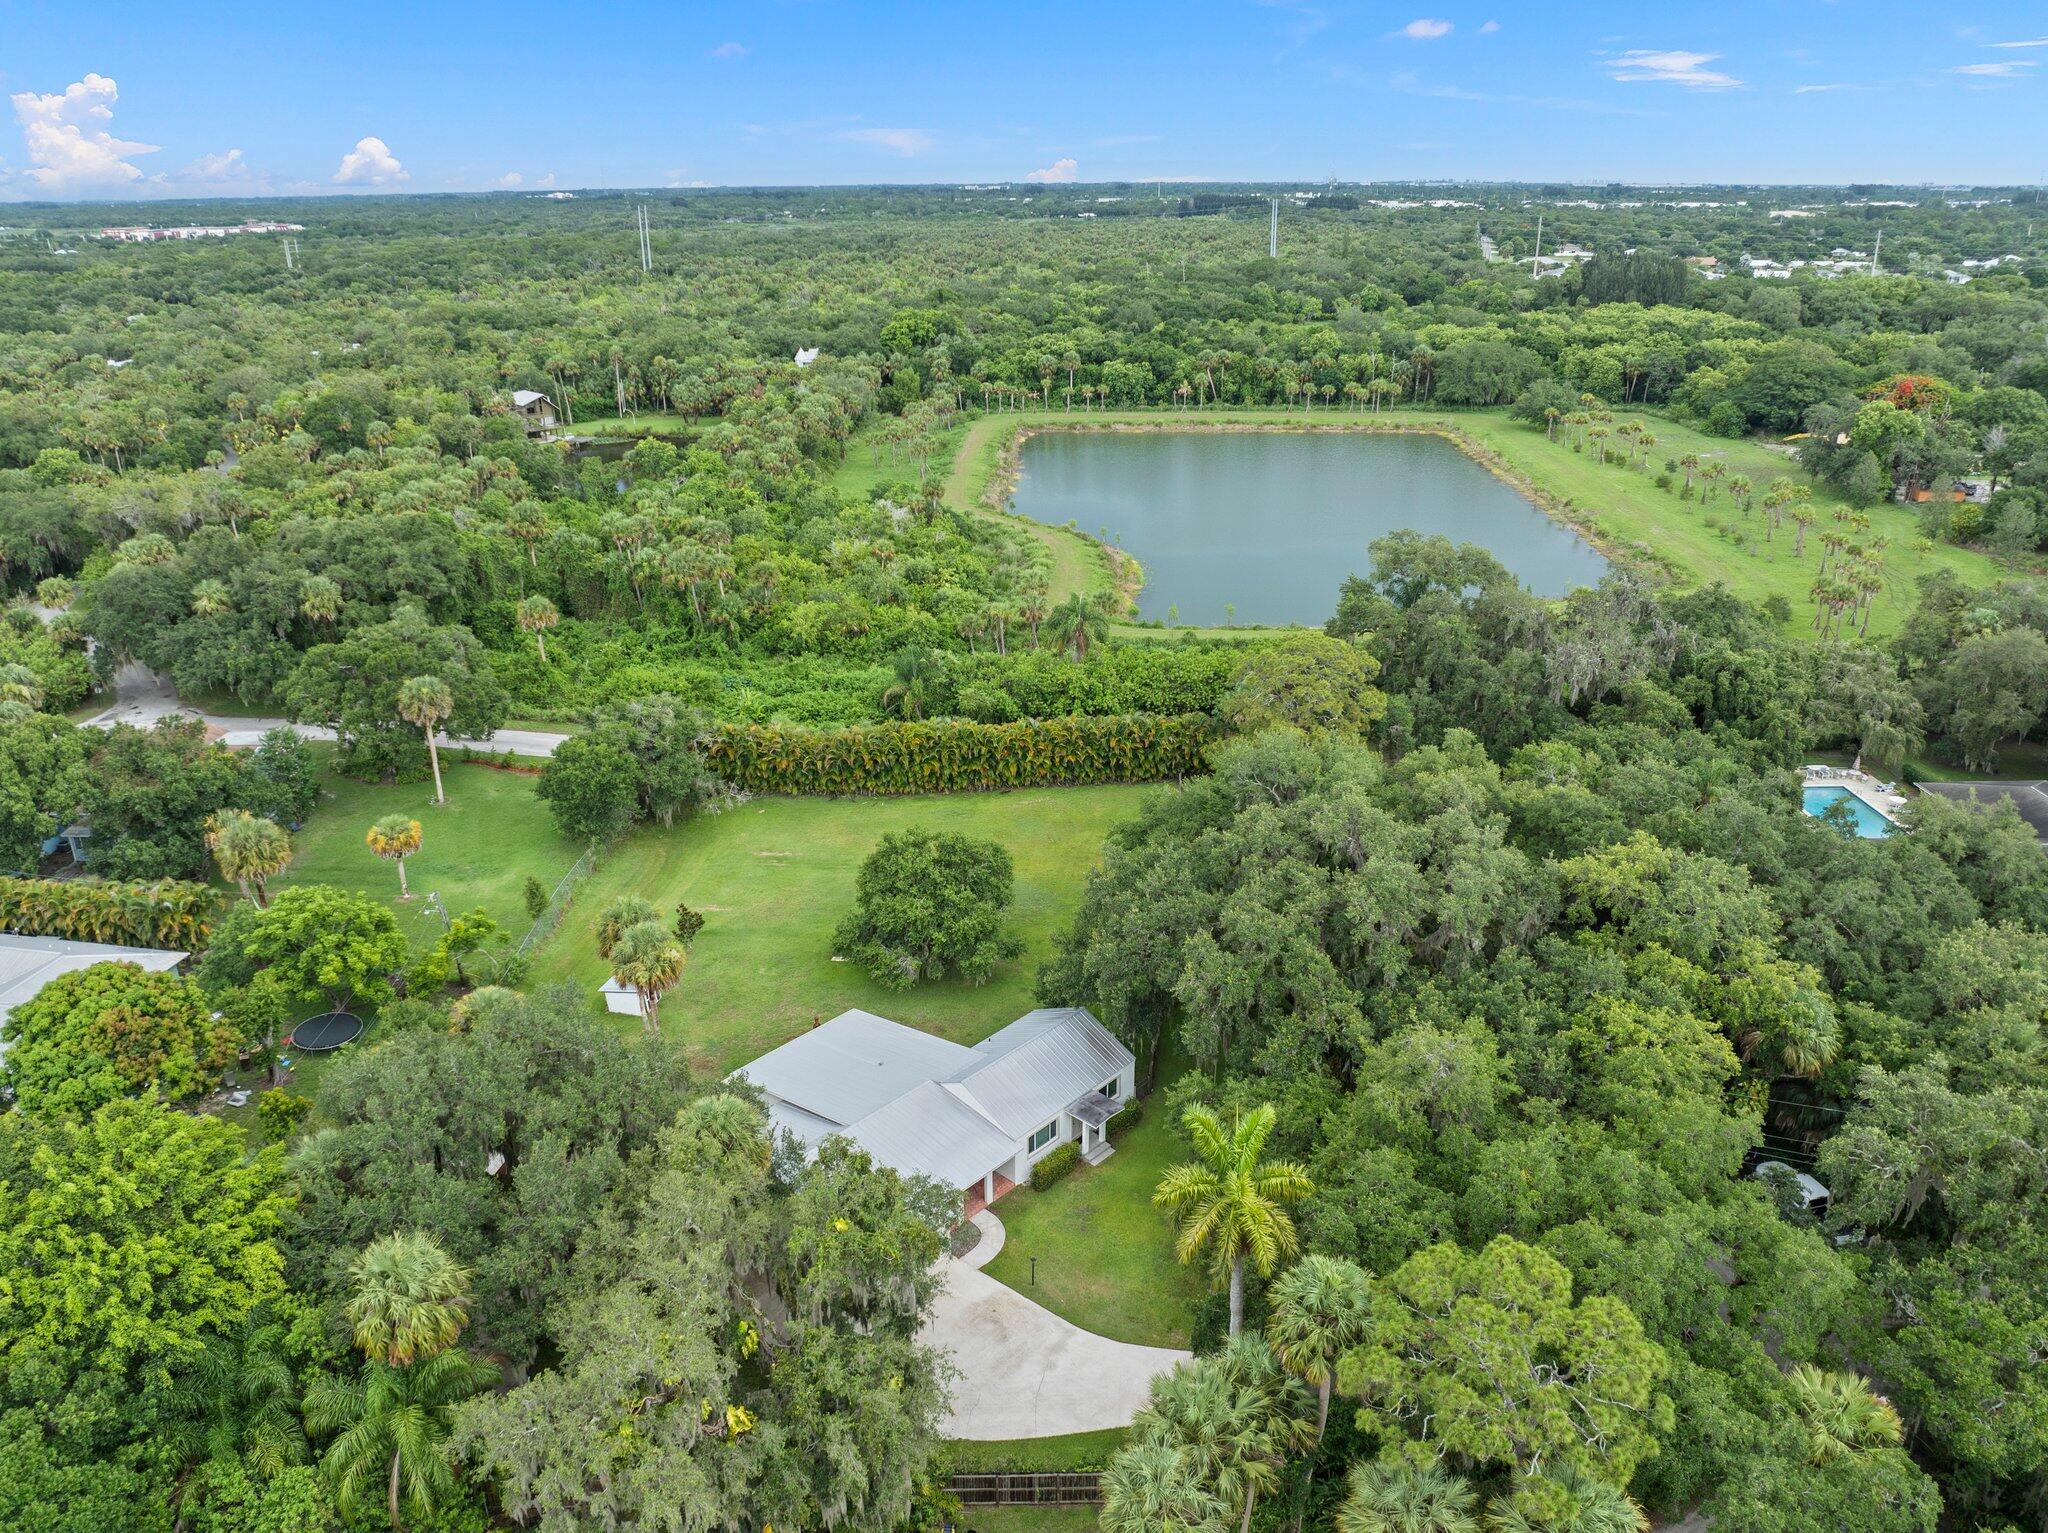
(141, 697)
(1023, 1371)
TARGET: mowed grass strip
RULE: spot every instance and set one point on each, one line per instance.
(1104, 1253)
(773, 878)
(475, 850)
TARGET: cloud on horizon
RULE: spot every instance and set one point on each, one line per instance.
(904, 141)
(67, 144)
(1066, 168)
(370, 163)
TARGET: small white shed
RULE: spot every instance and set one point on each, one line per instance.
(621, 998)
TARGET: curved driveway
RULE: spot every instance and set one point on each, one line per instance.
(1023, 1371)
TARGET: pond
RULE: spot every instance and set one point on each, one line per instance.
(1270, 523)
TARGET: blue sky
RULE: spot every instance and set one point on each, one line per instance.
(110, 97)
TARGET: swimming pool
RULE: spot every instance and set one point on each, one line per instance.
(1868, 822)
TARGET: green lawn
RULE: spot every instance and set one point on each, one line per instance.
(774, 876)
(1625, 509)
(1038, 1455)
(649, 423)
(1105, 1254)
(1028, 1519)
(477, 849)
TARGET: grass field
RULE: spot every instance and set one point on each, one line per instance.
(774, 876)
(652, 423)
(1105, 1254)
(1041, 1455)
(1625, 509)
(1028, 1519)
(477, 849)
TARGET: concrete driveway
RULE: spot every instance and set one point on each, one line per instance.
(141, 697)
(1023, 1371)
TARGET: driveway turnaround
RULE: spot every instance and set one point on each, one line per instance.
(1023, 1371)
(142, 697)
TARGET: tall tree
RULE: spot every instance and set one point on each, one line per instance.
(1231, 1202)
(250, 850)
(425, 701)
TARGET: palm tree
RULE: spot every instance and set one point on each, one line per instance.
(620, 916)
(425, 701)
(19, 684)
(395, 1423)
(1842, 1414)
(249, 849)
(319, 599)
(1237, 1415)
(1076, 623)
(248, 1393)
(649, 958)
(1399, 1497)
(411, 1299)
(1320, 1307)
(536, 614)
(918, 687)
(1230, 1201)
(210, 599)
(395, 837)
(1156, 1487)
(1589, 1504)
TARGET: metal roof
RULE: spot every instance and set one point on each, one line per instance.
(929, 1132)
(521, 398)
(2029, 798)
(1024, 1075)
(29, 963)
(844, 1069)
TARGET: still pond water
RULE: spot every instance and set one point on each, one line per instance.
(1273, 522)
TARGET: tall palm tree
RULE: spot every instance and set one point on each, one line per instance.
(249, 849)
(918, 686)
(410, 1299)
(425, 701)
(649, 958)
(394, 1424)
(1077, 623)
(1156, 1487)
(1238, 1416)
(395, 838)
(1230, 1201)
(319, 599)
(536, 615)
(1399, 1497)
(1843, 1415)
(619, 917)
(1584, 1503)
(1320, 1308)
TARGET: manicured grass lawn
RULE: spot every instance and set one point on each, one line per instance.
(477, 849)
(1105, 1254)
(774, 877)
(1038, 1455)
(1626, 506)
(1028, 1519)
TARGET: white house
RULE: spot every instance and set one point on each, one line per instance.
(29, 963)
(535, 409)
(973, 1118)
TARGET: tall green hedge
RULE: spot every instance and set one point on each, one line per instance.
(168, 914)
(960, 757)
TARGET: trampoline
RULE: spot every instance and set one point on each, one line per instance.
(329, 1030)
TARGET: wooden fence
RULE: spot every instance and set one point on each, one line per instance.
(1081, 1488)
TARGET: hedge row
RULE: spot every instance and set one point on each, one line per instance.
(1126, 1118)
(167, 914)
(957, 756)
(1055, 1166)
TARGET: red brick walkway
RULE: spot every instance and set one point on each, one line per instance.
(976, 1202)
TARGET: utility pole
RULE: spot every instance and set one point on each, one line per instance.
(1538, 256)
(1273, 232)
(641, 228)
(1876, 246)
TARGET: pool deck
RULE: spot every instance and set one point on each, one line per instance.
(1881, 797)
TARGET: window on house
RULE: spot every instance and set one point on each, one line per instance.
(1042, 1137)
(1108, 1088)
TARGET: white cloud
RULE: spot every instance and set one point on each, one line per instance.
(370, 163)
(2004, 69)
(1425, 29)
(730, 51)
(2028, 42)
(905, 141)
(226, 168)
(1812, 90)
(1066, 168)
(66, 149)
(546, 181)
(511, 178)
(1672, 67)
(1488, 28)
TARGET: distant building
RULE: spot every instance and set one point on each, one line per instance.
(145, 234)
(535, 409)
(806, 355)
